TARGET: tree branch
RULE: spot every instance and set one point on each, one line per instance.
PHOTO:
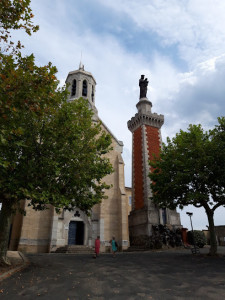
(217, 205)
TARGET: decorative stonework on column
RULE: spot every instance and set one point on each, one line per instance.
(146, 135)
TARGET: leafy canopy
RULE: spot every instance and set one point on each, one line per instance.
(14, 15)
(50, 150)
(191, 169)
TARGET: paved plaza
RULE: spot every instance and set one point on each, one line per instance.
(172, 274)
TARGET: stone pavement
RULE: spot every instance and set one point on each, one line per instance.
(18, 262)
(172, 274)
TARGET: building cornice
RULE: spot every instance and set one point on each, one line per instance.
(150, 119)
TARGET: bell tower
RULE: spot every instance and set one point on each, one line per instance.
(82, 84)
(146, 137)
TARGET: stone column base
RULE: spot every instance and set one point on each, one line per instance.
(140, 225)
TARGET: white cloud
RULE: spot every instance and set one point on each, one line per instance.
(196, 27)
(198, 99)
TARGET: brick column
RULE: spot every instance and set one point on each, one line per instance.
(145, 127)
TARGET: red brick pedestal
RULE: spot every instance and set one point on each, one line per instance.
(146, 135)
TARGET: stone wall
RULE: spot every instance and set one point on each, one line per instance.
(161, 236)
(220, 234)
(35, 235)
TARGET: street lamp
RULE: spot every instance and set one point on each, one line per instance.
(190, 214)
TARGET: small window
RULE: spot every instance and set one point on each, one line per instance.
(130, 200)
(84, 91)
(74, 87)
(92, 94)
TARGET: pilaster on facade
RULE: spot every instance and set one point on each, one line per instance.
(146, 167)
(54, 231)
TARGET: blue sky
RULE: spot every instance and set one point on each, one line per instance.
(178, 44)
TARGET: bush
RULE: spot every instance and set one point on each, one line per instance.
(199, 237)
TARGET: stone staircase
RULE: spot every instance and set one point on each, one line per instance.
(136, 249)
(75, 249)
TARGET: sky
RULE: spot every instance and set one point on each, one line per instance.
(179, 45)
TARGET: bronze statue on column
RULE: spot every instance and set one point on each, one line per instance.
(143, 84)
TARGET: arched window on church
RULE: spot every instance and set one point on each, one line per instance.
(74, 87)
(84, 90)
(92, 94)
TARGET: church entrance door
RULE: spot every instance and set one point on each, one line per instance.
(76, 233)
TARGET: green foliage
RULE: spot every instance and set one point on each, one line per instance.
(50, 150)
(199, 238)
(191, 170)
(14, 14)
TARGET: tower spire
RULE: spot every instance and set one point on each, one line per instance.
(81, 66)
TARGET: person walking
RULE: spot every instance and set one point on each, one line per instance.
(114, 246)
(97, 246)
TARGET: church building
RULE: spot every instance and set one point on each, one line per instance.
(45, 231)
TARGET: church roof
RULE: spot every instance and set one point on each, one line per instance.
(120, 143)
(82, 71)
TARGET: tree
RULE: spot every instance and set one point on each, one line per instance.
(196, 237)
(14, 14)
(191, 170)
(50, 150)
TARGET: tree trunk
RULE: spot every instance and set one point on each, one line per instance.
(5, 219)
(213, 242)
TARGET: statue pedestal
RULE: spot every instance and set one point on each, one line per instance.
(141, 221)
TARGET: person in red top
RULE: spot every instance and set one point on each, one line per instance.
(97, 246)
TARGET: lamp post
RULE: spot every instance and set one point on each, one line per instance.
(190, 214)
